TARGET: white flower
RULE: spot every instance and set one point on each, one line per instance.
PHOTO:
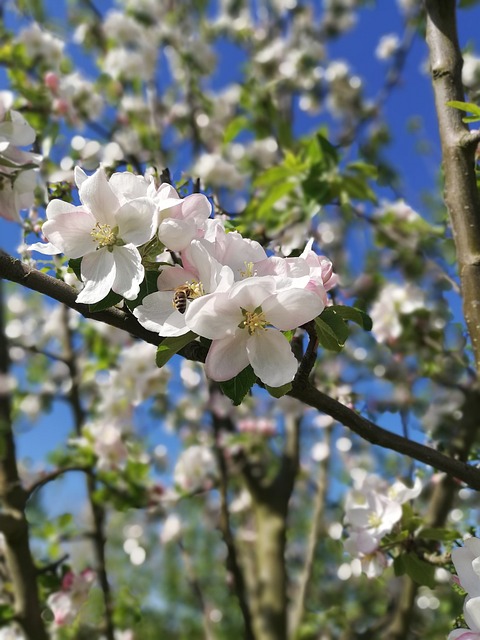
(106, 230)
(66, 603)
(245, 325)
(467, 563)
(108, 445)
(181, 219)
(394, 300)
(171, 530)
(388, 46)
(161, 311)
(196, 468)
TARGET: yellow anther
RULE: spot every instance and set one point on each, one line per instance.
(104, 235)
(253, 321)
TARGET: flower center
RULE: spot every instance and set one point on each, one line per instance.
(374, 520)
(104, 235)
(253, 320)
(248, 272)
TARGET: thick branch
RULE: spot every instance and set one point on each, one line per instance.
(458, 151)
(371, 432)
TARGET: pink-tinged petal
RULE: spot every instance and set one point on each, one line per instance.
(98, 273)
(462, 558)
(176, 235)
(173, 277)
(129, 271)
(137, 221)
(57, 208)
(463, 634)
(291, 308)
(227, 357)
(156, 313)
(252, 292)
(196, 207)
(71, 233)
(271, 357)
(96, 194)
(208, 268)
(213, 316)
(46, 248)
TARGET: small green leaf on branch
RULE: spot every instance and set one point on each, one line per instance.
(237, 388)
(278, 392)
(170, 346)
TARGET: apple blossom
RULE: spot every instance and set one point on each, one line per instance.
(66, 603)
(245, 325)
(160, 311)
(105, 230)
(196, 469)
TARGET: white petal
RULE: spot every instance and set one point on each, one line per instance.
(213, 316)
(129, 271)
(472, 613)
(128, 185)
(57, 208)
(71, 233)
(98, 273)
(46, 248)
(98, 196)
(80, 176)
(177, 234)
(227, 357)
(271, 357)
(291, 308)
(156, 313)
(197, 207)
(137, 221)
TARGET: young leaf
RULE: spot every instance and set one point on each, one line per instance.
(419, 571)
(170, 346)
(75, 265)
(327, 337)
(355, 315)
(238, 387)
(110, 300)
(278, 392)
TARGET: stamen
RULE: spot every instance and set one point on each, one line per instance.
(104, 235)
(253, 320)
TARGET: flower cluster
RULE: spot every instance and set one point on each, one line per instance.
(67, 602)
(220, 286)
(467, 563)
(17, 172)
(372, 509)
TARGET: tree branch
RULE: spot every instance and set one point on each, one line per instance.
(458, 151)
(374, 434)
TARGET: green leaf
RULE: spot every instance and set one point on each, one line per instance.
(274, 195)
(399, 566)
(234, 127)
(355, 315)
(278, 392)
(75, 265)
(170, 346)
(327, 337)
(419, 571)
(336, 323)
(438, 534)
(464, 106)
(110, 300)
(237, 388)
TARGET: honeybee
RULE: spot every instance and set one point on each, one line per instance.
(180, 297)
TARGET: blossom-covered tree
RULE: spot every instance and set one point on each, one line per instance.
(238, 365)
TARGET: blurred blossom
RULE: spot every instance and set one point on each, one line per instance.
(388, 46)
(11, 633)
(66, 603)
(215, 171)
(471, 71)
(171, 529)
(393, 301)
(196, 469)
(320, 451)
(31, 406)
(260, 426)
(42, 44)
(108, 445)
(400, 209)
